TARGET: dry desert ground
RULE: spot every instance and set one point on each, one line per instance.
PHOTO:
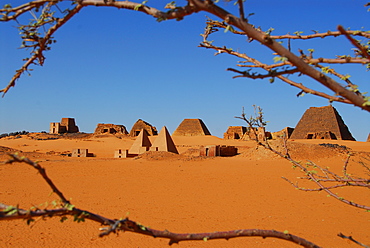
(181, 193)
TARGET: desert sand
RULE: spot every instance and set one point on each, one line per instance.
(181, 193)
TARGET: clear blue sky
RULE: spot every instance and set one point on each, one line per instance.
(116, 66)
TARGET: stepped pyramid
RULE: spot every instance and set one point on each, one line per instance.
(321, 123)
(141, 144)
(191, 127)
(164, 142)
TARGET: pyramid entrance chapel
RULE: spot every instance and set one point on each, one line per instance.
(321, 123)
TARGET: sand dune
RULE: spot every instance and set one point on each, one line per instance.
(181, 193)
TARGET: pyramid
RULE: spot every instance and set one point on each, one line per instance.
(164, 142)
(141, 144)
(191, 127)
(321, 123)
(139, 125)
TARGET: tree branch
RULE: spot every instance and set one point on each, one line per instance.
(268, 68)
(40, 47)
(194, 6)
(363, 50)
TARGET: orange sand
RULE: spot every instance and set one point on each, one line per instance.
(180, 193)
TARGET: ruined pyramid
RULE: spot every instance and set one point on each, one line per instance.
(191, 127)
(321, 123)
(139, 125)
(164, 142)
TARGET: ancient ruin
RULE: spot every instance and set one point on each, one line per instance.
(286, 133)
(164, 142)
(139, 125)
(67, 125)
(321, 123)
(235, 132)
(141, 144)
(102, 128)
(191, 127)
(81, 153)
(255, 133)
(368, 138)
(120, 153)
(217, 150)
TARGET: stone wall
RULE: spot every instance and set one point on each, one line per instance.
(286, 132)
(217, 150)
(235, 132)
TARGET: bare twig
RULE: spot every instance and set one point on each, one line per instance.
(38, 54)
(312, 175)
(363, 50)
(352, 239)
(268, 68)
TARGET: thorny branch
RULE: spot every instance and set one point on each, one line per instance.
(304, 66)
(271, 72)
(40, 44)
(282, 70)
(113, 225)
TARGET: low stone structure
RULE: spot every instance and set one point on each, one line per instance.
(321, 123)
(139, 125)
(67, 125)
(191, 127)
(286, 132)
(102, 128)
(259, 134)
(81, 153)
(235, 132)
(119, 153)
(217, 150)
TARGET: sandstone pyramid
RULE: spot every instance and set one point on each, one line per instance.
(321, 123)
(164, 142)
(141, 144)
(191, 127)
(139, 125)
